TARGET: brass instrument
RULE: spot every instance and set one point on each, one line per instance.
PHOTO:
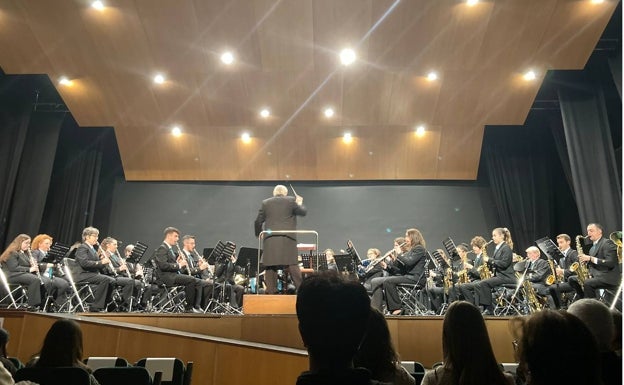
(484, 270)
(616, 237)
(582, 273)
(529, 293)
(34, 264)
(552, 278)
(182, 256)
(382, 258)
(448, 280)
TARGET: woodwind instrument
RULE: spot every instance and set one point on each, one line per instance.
(34, 264)
(582, 272)
(183, 257)
(102, 254)
(123, 263)
(484, 270)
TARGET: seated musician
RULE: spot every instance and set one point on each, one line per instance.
(172, 270)
(60, 286)
(435, 283)
(224, 272)
(119, 270)
(410, 266)
(462, 274)
(199, 269)
(89, 268)
(377, 293)
(331, 261)
(537, 269)
(466, 290)
(370, 268)
(563, 270)
(148, 288)
(501, 264)
(602, 263)
(19, 270)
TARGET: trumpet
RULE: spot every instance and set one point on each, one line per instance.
(34, 264)
(383, 258)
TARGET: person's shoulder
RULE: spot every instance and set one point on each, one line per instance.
(510, 378)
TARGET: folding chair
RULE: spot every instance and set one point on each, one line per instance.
(416, 369)
(509, 300)
(105, 362)
(411, 297)
(172, 369)
(172, 300)
(16, 294)
(54, 376)
(131, 375)
(81, 292)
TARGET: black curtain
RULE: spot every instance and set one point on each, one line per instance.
(589, 114)
(27, 151)
(529, 187)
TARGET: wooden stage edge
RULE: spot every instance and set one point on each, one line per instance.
(269, 304)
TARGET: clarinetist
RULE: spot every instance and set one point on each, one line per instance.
(89, 269)
(199, 269)
(59, 289)
(123, 278)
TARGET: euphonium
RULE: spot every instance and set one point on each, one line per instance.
(581, 270)
(484, 270)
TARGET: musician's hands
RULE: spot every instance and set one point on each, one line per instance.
(105, 260)
(468, 266)
(123, 267)
(34, 269)
(558, 271)
(584, 258)
(203, 265)
(181, 262)
(383, 265)
(432, 274)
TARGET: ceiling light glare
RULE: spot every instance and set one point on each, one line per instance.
(597, 1)
(159, 79)
(530, 75)
(64, 81)
(176, 131)
(420, 131)
(97, 5)
(265, 113)
(471, 2)
(347, 138)
(227, 58)
(329, 112)
(347, 56)
(431, 76)
(246, 137)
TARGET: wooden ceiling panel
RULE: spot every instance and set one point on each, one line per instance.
(287, 60)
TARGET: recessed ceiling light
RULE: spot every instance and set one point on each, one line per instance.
(347, 138)
(265, 113)
(176, 131)
(159, 79)
(420, 131)
(530, 75)
(347, 56)
(471, 2)
(431, 76)
(246, 137)
(65, 81)
(99, 5)
(227, 57)
(597, 1)
(329, 112)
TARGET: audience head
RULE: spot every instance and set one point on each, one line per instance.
(41, 241)
(598, 319)
(333, 315)
(555, 347)
(4, 340)
(20, 243)
(466, 347)
(376, 352)
(617, 336)
(62, 345)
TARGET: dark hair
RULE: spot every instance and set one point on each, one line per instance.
(184, 238)
(468, 355)
(169, 230)
(333, 315)
(62, 345)
(376, 352)
(478, 241)
(564, 236)
(4, 340)
(597, 225)
(540, 333)
(14, 246)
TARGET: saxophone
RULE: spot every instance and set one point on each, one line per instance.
(581, 270)
(448, 280)
(529, 293)
(484, 270)
(552, 278)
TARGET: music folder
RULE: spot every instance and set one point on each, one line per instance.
(548, 247)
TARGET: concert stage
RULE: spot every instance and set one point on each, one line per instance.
(269, 304)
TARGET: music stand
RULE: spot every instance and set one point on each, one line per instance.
(353, 253)
(440, 261)
(206, 253)
(548, 247)
(450, 248)
(344, 263)
(248, 258)
(57, 252)
(316, 262)
(215, 252)
(137, 252)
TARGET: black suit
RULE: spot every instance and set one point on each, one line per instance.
(170, 274)
(17, 269)
(412, 265)
(501, 262)
(88, 270)
(224, 273)
(58, 287)
(279, 213)
(605, 273)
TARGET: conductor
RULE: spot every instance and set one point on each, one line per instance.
(279, 213)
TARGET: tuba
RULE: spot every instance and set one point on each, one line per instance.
(484, 270)
(580, 268)
(616, 237)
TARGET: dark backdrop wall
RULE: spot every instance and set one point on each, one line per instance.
(371, 215)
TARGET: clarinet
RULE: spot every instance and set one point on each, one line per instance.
(33, 263)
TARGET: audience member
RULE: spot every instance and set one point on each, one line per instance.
(377, 353)
(599, 320)
(4, 341)
(62, 347)
(333, 315)
(554, 347)
(617, 336)
(468, 355)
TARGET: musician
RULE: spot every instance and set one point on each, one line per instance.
(602, 263)
(371, 269)
(120, 272)
(172, 270)
(462, 274)
(501, 264)
(563, 269)
(435, 285)
(60, 287)
(537, 270)
(150, 289)
(199, 269)
(224, 273)
(376, 291)
(279, 213)
(412, 266)
(331, 261)
(89, 269)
